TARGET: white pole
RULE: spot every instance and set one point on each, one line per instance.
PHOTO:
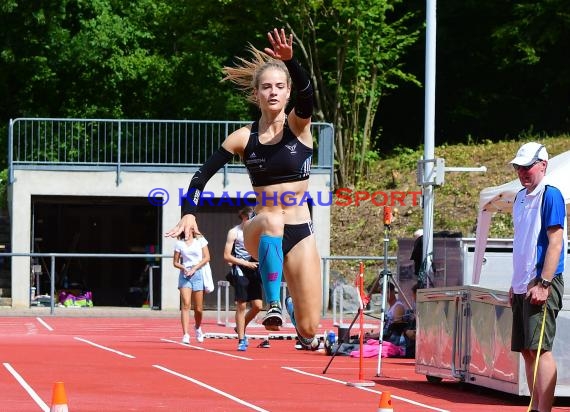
(384, 277)
(429, 127)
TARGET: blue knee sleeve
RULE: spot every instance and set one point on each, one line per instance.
(270, 255)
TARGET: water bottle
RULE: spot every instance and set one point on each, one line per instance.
(331, 337)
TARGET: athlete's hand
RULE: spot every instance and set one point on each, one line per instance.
(282, 46)
(186, 225)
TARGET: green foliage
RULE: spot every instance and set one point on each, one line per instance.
(120, 59)
(358, 230)
(354, 60)
(405, 157)
(533, 29)
(503, 69)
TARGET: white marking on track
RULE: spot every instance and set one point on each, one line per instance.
(126, 355)
(211, 388)
(44, 324)
(206, 350)
(363, 388)
(27, 388)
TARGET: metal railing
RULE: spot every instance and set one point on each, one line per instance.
(41, 143)
(52, 272)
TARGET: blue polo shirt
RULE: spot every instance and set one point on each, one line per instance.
(533, 214)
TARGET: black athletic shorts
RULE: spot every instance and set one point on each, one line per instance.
(247, 284)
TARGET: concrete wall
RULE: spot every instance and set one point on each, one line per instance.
(30, 183)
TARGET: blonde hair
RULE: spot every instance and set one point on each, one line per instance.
(245, 75)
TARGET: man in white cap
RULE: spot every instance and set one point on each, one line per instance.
(537, 287)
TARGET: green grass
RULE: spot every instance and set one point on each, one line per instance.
(359, 230)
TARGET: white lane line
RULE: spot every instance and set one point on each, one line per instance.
(363, 388)
(211, 388)
(27, 388)
(207, 350)
(126, 355)
(44, 324)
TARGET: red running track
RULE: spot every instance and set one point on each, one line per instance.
(139, 364)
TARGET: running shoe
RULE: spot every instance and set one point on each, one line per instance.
(186, 339)
(199, 335)
(273, 318)
(307, 343)
(265, 344)
(242, 345)
(244, 336)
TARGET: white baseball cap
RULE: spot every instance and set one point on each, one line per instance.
(530, 153)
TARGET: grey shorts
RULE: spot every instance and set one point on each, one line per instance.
(527, 319)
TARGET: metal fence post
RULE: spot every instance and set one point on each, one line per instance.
(151, 285)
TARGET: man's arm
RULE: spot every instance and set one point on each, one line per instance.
(555, 245)
(538, 293)
(230, 239)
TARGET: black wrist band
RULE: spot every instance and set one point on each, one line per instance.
(302, 83)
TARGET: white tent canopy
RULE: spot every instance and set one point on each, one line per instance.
(500, 199)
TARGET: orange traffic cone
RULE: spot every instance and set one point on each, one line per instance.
(58, 398)
(385, 404)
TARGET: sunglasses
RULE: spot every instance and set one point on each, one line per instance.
(526, 168)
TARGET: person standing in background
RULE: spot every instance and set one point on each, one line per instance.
(246, 280)
(537, 286)
(190, 256)
(417, 251)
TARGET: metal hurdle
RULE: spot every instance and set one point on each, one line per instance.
(224, 319)
(338, 316)
(226, 291)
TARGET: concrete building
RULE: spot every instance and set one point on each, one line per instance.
(112, 187)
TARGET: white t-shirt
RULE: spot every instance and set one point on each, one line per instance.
(527, 223)
(191, 253)
(390, 316)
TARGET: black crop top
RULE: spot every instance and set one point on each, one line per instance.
(286, 161)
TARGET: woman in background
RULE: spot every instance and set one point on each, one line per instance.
(190, 256)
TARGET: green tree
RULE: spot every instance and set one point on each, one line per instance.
(354, 50)
(502, 70)
(201, 46)
(533, 47)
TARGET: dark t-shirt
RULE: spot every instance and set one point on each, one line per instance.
(289, 160)
(417, 254)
